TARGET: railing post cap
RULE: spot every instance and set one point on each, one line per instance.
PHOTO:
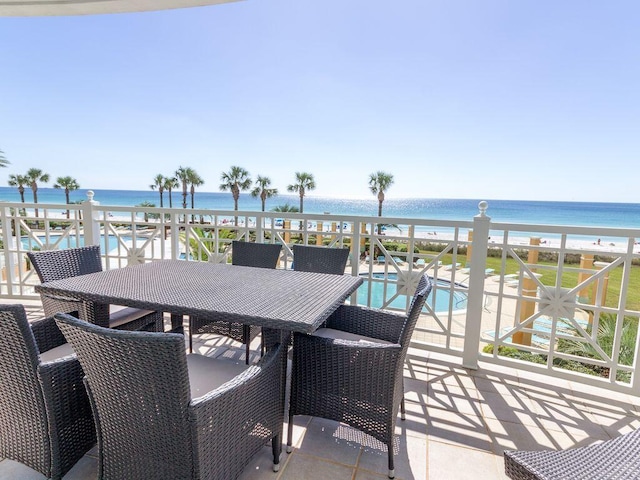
(482, 206)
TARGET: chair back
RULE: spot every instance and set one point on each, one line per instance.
(307, 258)
(139, 388)
(53, 265)
(417, 302)
(247, 254)
(24, 432)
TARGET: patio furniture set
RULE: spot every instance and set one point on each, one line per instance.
(157, 412)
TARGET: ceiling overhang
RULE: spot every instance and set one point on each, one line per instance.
(33, 8)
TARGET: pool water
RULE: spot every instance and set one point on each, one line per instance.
(72, 241)
(438, 302)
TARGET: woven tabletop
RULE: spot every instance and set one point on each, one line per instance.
(280, 299)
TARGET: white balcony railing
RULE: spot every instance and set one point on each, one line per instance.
(561, 304)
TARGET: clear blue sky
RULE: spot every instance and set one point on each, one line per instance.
(511, 99)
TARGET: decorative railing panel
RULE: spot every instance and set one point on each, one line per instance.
(559, 299)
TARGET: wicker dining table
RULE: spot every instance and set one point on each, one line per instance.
(277, 299)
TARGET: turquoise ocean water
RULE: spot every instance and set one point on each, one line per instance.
(600, 214)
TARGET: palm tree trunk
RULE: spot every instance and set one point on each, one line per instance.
(35, 198)
(66, 194)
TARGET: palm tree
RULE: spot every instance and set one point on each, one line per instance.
(3, 160)
(69, 184)
(169, 184)
(18, 181)
(304, 183)
(235, 180)
(263, 191)
(379, 182)
(182, 176)
(285, 208)
(35, 175)
(159, 181)
(147, 215)
(195, 180)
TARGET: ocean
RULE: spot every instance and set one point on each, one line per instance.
(589, 214)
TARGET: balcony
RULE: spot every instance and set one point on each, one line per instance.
(467, 400)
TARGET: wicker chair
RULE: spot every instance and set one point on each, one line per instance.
(615, 459)
(163, 414)
(262, 255)
(45, 416)
(58, 264)
(307, 258)
(352, 370)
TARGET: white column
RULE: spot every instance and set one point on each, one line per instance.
(481, 225)
(91, 220)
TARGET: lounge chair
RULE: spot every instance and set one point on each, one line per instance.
(399, 261)
(420, 263)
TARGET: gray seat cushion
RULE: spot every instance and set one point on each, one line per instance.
(207, 374)
(57, 352)
(340, 335)
(119, 315)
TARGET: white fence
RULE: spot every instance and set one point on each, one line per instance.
(528, 296)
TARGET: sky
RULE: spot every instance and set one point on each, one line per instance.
(487, 99)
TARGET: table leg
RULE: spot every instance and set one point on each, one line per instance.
(96, 313)
(176, 321)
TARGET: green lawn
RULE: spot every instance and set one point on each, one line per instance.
(569, 279)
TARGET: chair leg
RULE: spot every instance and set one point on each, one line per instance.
(392, 472)
(246, 338)
(290, 434)
(276, 449)
(403, 415)
(190, 335)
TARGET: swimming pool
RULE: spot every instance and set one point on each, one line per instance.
(72, 241)
(439, 302)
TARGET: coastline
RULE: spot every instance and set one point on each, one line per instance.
(597, 246)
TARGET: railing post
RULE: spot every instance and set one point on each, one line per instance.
(91, 220)
(473, 328)
(175, 237)
(8, 245)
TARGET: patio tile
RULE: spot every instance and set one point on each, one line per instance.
(450, 462)
(332, 441)
(312, 468)
(366, 475)
(453, 397)
(10, 470)
(458, 429)
(87, 467)
(515, 436)
(261, 466)
(511, 408)
(410, 459)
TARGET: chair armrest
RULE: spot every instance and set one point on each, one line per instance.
(345, 369)
(369, 322)
(47, 334)
(238, 418)
(69, 411)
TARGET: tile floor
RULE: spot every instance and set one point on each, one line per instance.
(458, 424)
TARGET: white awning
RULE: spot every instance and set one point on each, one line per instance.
(31, 8)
